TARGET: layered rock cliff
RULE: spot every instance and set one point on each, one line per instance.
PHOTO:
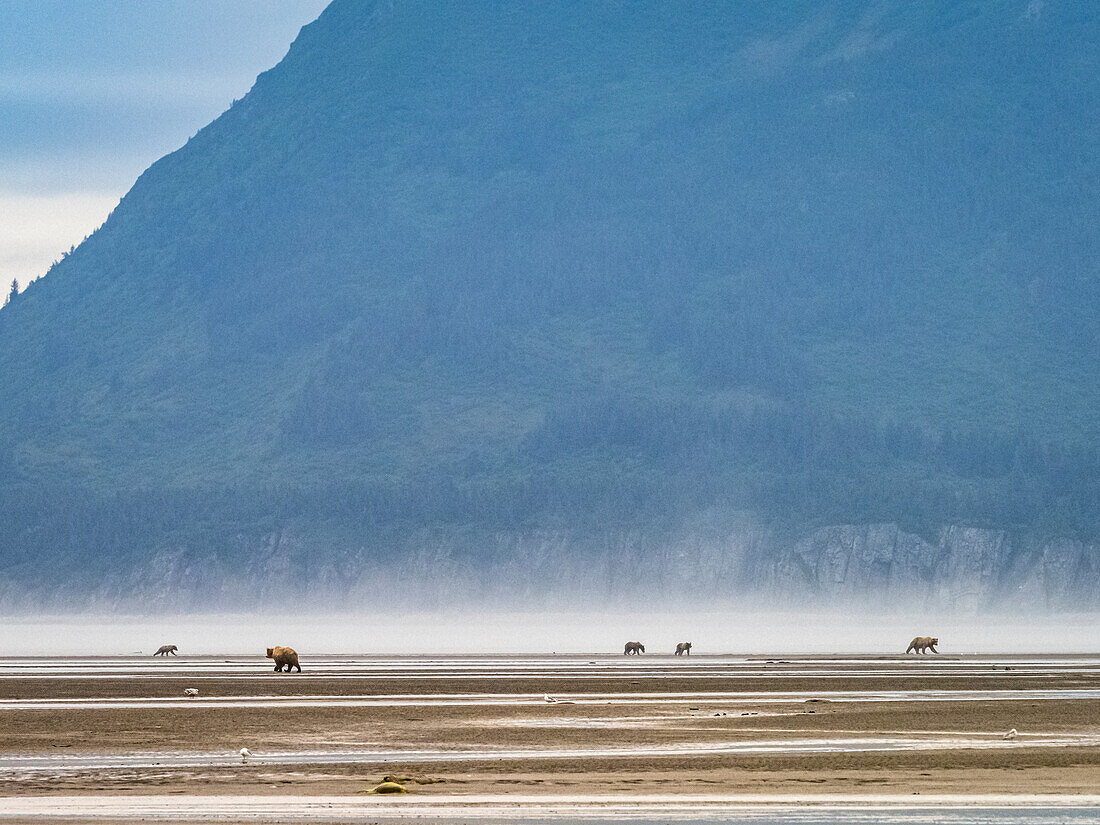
(860, 569)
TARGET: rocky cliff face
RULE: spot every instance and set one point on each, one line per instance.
(876, 567)
(966, 569)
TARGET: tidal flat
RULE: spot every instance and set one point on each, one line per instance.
(552, 738)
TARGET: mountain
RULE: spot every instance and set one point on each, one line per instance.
(561, 300)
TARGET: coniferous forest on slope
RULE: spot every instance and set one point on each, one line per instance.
(585, 268)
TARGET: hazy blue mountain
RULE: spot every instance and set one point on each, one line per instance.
(496, 299)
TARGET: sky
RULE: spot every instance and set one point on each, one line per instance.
(92, 92)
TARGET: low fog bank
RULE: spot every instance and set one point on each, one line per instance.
(545, 633)
(718, 562)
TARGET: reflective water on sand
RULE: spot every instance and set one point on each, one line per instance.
(590, 666)
(20, 767)
(701, 810)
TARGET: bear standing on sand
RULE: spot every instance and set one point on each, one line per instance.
(923, 643)
(284, 656)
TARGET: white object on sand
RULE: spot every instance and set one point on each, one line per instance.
(192, 692)
(1011, 734)
(245, 753)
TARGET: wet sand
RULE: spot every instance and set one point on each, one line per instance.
(698, 809)
(624, 731)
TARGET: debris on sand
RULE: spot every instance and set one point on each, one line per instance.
(1012, 734)
(550, 700)
(389, 787)
(399, 779)
(192, 692)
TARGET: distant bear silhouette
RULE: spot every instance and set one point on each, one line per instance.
(633, 648)
(164, 650)
(287, 656)
(922, 643)
(682, 648)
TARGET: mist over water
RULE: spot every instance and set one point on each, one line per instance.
(546, 633)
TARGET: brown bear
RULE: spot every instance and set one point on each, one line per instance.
(633, 649)
(164, 650)
(287, 656)
(923, 643)
(682, 648)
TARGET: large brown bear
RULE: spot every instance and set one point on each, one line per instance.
(287, 656)
(633, 649)
(923, 643)
(683, 648)
(164, 650)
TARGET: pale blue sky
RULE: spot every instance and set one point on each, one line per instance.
(92, 92)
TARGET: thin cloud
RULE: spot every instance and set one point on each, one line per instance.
(37, 229)
(126, 88)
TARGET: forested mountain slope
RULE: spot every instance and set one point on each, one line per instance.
(456, 281)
